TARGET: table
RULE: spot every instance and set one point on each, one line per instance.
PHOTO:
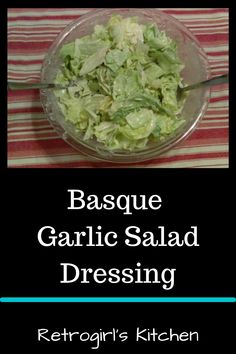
(32, 142)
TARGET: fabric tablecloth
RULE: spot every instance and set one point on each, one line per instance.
(32, 142)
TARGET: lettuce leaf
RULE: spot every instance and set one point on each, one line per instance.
(93, 61)
(116, 58)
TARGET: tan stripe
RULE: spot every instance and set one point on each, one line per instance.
(38, 23)
(64, 12)
(17, 129)
(23, 57)
(33, 68)
(24, 104)
(221, 162)
(13, 140)
(189, 164)
(25, 117)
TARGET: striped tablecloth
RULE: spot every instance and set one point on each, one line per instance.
(33, 143)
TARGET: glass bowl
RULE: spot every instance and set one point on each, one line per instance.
(190, 52)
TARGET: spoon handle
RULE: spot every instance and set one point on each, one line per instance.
(28, 86)
(211, 82)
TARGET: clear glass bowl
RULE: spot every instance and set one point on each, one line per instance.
(190, 52)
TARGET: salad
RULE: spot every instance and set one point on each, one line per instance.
(124, 79)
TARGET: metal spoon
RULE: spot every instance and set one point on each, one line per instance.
(11, 85)
(211, 82)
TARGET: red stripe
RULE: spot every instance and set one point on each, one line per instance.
(47, 17)
(215, 111)
(216, 54)
(206, 133)
(23, 62)
(218, 99)
(157, 162)
(213, 38)
(23, 94)
(28, 46)
(25, 110)
(55, 146)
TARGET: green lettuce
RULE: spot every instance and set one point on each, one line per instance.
(122, 84)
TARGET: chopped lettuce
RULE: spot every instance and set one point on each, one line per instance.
(116, 58)
(93, 61)
(122, 84)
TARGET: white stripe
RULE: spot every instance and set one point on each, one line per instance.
(29, 78)
(214, 121)
(190, 150)
(218, 57)
(26, 117)
(192, 163)
(47, 38)
(11, 140)
(45, 34)
(212, 48)
(24, 104)
(216, 115)
(56, 29)
(218, 60)
(194, 25)
(209, 32)
(48, 159)
(202, 127)
(207, 17)
(39, 23)
(28, 129)
(215, 94)
(223, 68)
(200, 26)
(220, 104)
(214, 58)
(47, 131)
(221, 111)
(25, 68)
(24, 58)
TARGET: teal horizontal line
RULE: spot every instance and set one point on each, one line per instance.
(118, 299)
